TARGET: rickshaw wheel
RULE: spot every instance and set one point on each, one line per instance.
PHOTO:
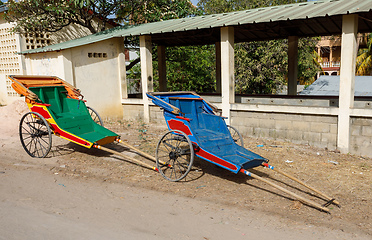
(95, 116)
(35, 135)
(237, 137)
(174, 155)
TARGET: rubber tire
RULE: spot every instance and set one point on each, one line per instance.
(179, 137)
(236, 136)
(95, 116)
(36, 141)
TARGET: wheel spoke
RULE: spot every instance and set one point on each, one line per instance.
(44, 140)
(177, 151)
(30, 142)
(27, 130)
(41, 147)
(35, 149)
(35, 135)
(95, 116)
(28, 136)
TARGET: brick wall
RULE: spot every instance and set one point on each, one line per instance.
(132, 111)
(135, 111)
(361, 136)
(156, 115)
(315, 130)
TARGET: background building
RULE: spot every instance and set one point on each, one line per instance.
(329, 51)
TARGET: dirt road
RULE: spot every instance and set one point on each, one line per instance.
(35, 204)
(86, 194)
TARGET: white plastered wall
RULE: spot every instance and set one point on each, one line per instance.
(48, 64)
(92, 68)
(98, 77)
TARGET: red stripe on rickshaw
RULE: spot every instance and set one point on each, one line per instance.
(69, 136)
(215, 159)
(179, 125)
(58, 130)
(42, 111)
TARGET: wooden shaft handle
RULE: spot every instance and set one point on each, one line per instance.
(126, 157)
(302, 199)
(137, 150)
(305, 185)
(302, 183)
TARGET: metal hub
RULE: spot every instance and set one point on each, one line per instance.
(173, 155)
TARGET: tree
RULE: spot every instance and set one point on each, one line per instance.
(52, 15)
(145, 11)
(220, 6)
(190, 68)
(260, 66)
(364, 59)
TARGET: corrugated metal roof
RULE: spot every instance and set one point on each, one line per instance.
(314, 18)
(330, 86)
(3, 8)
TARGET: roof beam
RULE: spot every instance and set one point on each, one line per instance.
(322, 26)
(312, 29)
(334, 23)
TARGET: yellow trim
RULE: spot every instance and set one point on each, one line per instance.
(52, 121)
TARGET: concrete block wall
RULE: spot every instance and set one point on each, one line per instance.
(135, 112)
(156, 115)
(315, 130)
(361, 136)
(132, 111)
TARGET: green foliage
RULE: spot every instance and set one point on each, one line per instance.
(308, 64)
(260, 66)
(188, 69)
(144, 11)
(191, 68)
(220, 6)
(52, 15)
(364, 59)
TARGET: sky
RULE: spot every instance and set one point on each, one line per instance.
(195, 2)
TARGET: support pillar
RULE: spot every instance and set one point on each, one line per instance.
(227, 71)
(349, 48)
(218, 67)
(292, 64)
(146, 73)
(162, 69)
(122, 70)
